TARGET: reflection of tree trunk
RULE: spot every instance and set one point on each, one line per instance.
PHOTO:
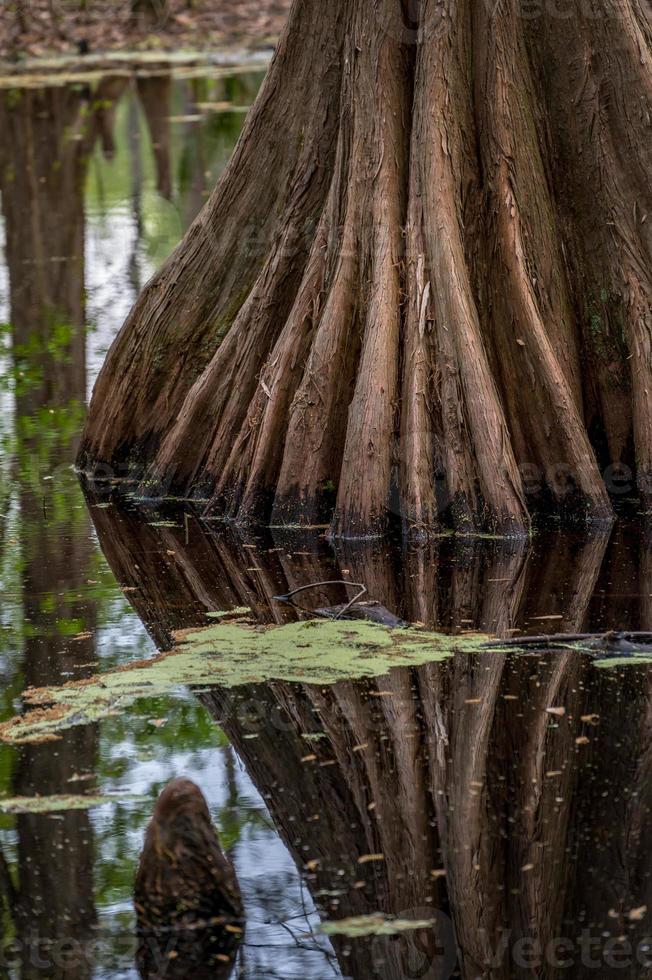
(136, 167)
(623, 592)
(471, 784)
(456, 766)
(459, 705)
(51, 135)
(42, 196)
(505, 799)
(611, 862)
(155, 94)
(104, 114)
(339, 804)
(55, 854)
(55, 858)
(559, 587)
(645, 578)
(194, 156)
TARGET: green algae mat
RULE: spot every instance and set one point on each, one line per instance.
(61, 802)
(234, 652)
(231, 654)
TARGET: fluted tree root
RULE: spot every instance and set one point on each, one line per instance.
(423, 285)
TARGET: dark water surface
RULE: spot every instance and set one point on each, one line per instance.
(450, 793)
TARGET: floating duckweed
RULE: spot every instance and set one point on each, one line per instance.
(232, 654)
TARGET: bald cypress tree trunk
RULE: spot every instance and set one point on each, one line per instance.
(422, 286)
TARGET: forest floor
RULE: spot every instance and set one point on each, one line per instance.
(38, 28)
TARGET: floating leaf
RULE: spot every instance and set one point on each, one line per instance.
(637, 915)
(223, 614)
(373, 925)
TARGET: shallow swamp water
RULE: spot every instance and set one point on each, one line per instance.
(482, 815)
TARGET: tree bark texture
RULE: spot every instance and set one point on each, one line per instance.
(423, 286)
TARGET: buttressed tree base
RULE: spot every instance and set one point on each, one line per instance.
(423, 285)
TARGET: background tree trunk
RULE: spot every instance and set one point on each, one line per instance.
(423, 285)
(154, 12)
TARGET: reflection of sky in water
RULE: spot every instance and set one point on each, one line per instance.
(109, 242)
(272, 890)
(129, 229)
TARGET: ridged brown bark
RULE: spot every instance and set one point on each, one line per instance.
(447, 310)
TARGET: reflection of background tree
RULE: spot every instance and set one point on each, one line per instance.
(456, 765)
(48, 141)
(155, 94)
(47, 138)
